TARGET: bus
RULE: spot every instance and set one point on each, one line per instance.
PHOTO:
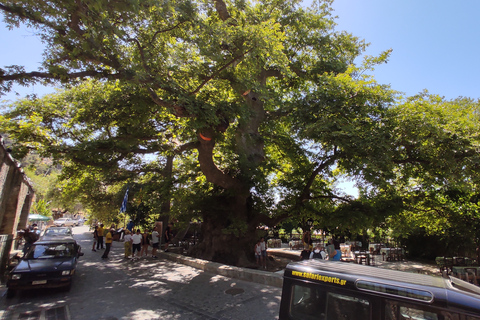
(334, 290)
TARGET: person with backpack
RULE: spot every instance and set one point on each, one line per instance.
(318, 253)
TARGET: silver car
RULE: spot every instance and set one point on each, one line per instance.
(64, 222)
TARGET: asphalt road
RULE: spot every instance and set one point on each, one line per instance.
(146, 289)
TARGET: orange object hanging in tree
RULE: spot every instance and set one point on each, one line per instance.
(204, 138)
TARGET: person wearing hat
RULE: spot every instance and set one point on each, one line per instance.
(108, 243)
(100, 234)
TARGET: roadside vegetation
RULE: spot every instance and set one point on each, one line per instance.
(240, 115)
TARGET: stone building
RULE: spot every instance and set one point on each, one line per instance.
(16, 198)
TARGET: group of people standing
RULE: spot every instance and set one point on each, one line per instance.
(331, 251)
(136, 244)
(261, 253)
(99, 235)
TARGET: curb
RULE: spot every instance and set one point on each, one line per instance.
(257, 276)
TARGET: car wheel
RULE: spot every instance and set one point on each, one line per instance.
(10, 293)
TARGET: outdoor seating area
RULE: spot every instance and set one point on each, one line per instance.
(274, 243)
(464, 268)
(392, 254)
(364, 257)
(295, 244)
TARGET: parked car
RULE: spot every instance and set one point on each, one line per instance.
(64, 222)
(320, 289)
(55, 231)
(49, 263)
(78, 222)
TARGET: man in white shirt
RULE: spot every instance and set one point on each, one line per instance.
(155, 242)
(136, 243)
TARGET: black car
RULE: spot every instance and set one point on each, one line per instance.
(318, 289)
(49, 263)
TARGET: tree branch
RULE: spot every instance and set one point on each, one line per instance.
(177, 110)
(305, 195)
(165, 30)
(47, 75)
(222, 9)
(21, 13)
(220, 70)
(211, 171)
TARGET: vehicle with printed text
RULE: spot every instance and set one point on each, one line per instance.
(331, 290)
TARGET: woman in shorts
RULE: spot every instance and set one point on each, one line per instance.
(145, 243)
(136, 244)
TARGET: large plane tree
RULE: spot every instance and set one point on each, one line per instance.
(252, 108)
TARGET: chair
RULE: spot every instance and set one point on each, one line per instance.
(471, 275)
(448, 265)
(440, 261)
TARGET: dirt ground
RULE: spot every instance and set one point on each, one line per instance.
(276, 263)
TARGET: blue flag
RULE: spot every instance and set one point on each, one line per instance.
(123, 208)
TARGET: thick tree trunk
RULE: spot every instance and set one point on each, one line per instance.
(229, 224)
(166, 204)
(228, 234)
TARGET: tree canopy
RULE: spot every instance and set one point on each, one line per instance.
(234, 113)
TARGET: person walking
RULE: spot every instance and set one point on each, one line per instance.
(127, 243)
(263, 248)
(155, 242)
(95, 237)
(100, 232)
(136, 244)
(145, 243)
(108, 243)
(258, 253)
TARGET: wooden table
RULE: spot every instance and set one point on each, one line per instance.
(392, 254)
(361, 257)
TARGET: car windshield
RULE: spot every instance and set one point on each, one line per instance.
(51, 251)
(58, 231)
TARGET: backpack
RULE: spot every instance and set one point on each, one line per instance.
(317, 255)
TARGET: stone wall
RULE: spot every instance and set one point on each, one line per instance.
(16, 194)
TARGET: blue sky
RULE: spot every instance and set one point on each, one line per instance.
(435, 43)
